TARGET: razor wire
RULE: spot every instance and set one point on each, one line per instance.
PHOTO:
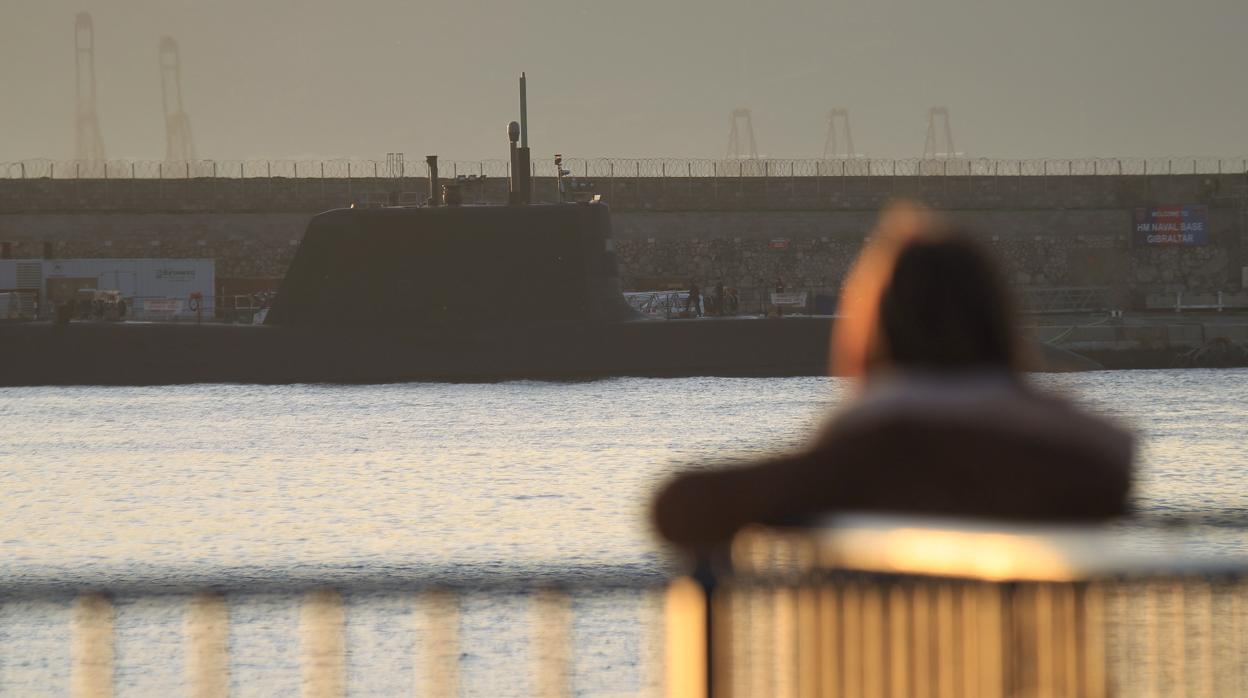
(608, 168)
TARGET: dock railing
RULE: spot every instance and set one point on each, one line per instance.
(887, 606)
(333, 631)
(861, 606)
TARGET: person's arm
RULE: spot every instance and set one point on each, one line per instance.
(702, 508)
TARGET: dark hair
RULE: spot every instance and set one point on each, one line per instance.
(946, 308)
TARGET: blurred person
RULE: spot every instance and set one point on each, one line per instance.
(693, 303)
(779, 289)
(942, 421)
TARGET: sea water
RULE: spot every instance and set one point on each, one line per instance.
(243, 482)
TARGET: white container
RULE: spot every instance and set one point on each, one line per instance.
(166, 285)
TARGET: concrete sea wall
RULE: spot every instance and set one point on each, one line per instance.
(648, 193)
(813, 249)
(244, 245)
(1049, 232)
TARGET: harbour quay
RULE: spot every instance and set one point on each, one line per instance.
(1163, 243)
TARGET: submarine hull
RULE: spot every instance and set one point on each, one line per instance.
(165, 353)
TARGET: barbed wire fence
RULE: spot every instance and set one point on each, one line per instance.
(620, 168)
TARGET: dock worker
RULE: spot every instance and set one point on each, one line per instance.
(693, 303)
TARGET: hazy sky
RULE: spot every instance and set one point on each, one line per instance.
(635, 78)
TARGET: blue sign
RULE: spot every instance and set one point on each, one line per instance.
(1172, 225)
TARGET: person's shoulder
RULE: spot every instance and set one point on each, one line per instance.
(972, 405)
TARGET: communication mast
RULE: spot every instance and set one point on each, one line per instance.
(840, 140)
(87, 142)
(741, 143)
(178, 142)
(934, 147)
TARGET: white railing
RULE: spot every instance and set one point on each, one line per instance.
(331, 634)
(899, 606)
(861, 607)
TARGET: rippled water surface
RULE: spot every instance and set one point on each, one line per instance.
(476, 474)
(191, 479)
(301, 475)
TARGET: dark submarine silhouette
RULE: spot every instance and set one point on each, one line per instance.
(441, 292)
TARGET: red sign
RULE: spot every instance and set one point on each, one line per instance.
(162, 306)
(778, 244)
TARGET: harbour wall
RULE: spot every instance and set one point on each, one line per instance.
(1049, 232)
(1039, 249)
(646, 193)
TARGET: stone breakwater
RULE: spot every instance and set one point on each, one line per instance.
(812, 250)
(244, 245)
(645, 193)
(1048, 232)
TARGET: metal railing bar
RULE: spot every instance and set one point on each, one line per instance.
(970, 549)
(91, 673)
(552, 625)
(171, 580)
(322, 646)
(206, 631)
(441, 631)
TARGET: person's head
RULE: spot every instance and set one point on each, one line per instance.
(923, 296)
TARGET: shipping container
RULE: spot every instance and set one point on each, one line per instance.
(153, 288)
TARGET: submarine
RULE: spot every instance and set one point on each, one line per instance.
(437, 292)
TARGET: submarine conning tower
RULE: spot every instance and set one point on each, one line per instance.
(447, 266)
(541, 264)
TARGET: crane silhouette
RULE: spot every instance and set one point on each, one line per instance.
(178, 142)
(741, 144)
(840, 140)
(88, 145)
